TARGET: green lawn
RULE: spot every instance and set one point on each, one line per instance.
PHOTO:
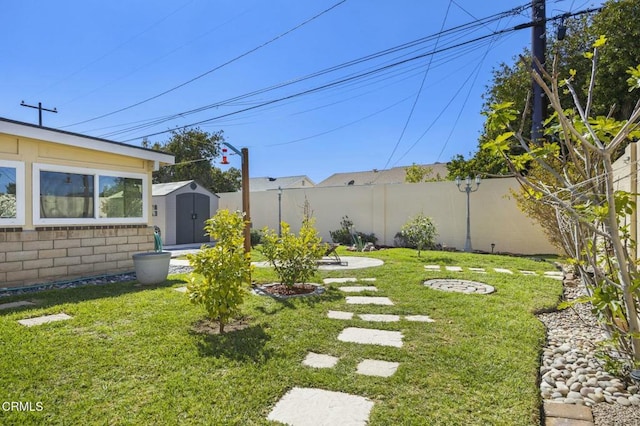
(130, 355)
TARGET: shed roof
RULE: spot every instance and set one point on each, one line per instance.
(28, 130)
(162, 189)
(379, 177)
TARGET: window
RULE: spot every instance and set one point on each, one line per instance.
(120, 197)
(70, 195)
(12, 193)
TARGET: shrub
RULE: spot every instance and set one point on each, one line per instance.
(419, 232)
(345, 235)
(221, 273)
(294, 257)
(256, 237)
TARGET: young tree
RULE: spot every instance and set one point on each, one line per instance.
(419, 232)
(222, 273)
(578, 184)
(194, 152)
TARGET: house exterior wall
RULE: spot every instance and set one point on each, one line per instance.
(383, 209)
(32, 252)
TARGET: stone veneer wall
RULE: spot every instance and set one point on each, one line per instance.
(56, 253)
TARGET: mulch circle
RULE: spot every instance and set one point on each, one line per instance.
(282, 291)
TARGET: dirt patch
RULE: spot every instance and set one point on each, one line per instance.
(208, 326)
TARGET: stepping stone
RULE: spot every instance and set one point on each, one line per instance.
(432, 267)
(18, 304)
(368, 336)
(528, 273)
(478, 270)
(379, 317)
(503, 271)
(339, 280)
(319, 360)
(345, 280)
(453, 268)
(181, 289)
(340, 315)
(556, 275)
(419, 318)
(372, 367)
(29, 322)
(368, 300)
(318, 407)
(460, 286)
(358, 289)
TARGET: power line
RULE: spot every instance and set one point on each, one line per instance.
(215, 68)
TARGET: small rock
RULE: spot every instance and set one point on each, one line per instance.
(575, 386)
(623, 401)
(596, 397)
(562, 388)
(574, 395)
(634, 400)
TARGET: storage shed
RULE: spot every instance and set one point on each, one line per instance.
(180, 210)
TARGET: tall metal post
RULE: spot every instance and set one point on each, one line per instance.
(279, 211)
(468, 189)
(538, 48)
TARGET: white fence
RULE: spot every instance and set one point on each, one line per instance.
(383, 209)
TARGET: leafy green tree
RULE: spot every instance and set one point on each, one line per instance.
(294, 257)
(416, 173)
(620, 21)
(222, 273)
(578, 184)
(194, 152)
(419, 232)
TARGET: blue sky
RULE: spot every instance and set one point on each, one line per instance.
(91, 59)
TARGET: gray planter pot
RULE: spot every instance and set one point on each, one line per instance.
(152, 267)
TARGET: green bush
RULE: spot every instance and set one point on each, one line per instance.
(418, 232)
(256, 237)
(294, 257)
(222, 273)
(345, 235)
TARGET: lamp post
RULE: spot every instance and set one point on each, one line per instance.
(244, 154)
(279, 211)
(468, 189)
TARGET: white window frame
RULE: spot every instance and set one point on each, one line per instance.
(96, 173)
(20, 193)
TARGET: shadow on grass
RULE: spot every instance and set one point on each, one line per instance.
(82, 293)
(247, 344)
(329, 295)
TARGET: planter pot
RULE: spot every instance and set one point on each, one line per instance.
(152, 267)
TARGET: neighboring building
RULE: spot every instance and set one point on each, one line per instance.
(71, 205)
(271, 183)
(180, 210)
(381, 177)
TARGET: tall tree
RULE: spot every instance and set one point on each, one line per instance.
(194, 152)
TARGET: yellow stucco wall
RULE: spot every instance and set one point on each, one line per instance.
(32, 151)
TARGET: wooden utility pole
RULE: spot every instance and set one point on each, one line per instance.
(538, 48)
(40, 109)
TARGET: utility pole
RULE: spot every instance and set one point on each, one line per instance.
(40, 109)
(538, 48)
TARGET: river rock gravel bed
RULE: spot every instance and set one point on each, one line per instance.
(570, 373)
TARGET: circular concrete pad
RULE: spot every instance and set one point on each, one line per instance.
(460, 286)
(353, 262)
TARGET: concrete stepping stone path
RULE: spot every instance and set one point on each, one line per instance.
(30, 322)
(453, 268)
(379, 317)
(503, 271)
(478, 270)
(182, 289)
(373, 367)
(357, 289)
(320, 360)
(17, 304)
(340, 315)
(346, 280)
(369, 336)
(318, 407)
(368, 300)
(419, 318)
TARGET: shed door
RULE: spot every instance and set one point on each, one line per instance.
(192, 210)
